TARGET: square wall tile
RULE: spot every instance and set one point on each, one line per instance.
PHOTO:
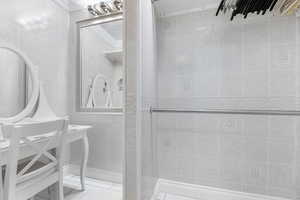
(282, 127)
(232, 147)
(255, 174)
(280, 176)
(255, 149)
(283, 83)
(185, 143)
(206, 170)
(231, 170)
(281, 151)
(283, 57)
(207, 146)
(283, 30)
(256, 126)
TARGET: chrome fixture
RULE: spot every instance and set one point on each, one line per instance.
(121, 84)
(118, 4)
(93, 11)
(106, 8)
(229, 111)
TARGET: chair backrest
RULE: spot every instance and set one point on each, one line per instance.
(40, 137)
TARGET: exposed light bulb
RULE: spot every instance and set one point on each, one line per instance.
(105, 7)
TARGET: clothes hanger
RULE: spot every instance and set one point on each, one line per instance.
(287, 5)
(250, 8)
(278, 6)
(267, 6)
(220, 8)
(233, 4)
(259, 7)
(240, 5)
(245, 7)
(273, 5)
(292, 8)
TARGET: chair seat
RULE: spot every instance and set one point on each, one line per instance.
(22, 164)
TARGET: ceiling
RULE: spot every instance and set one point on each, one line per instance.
(174, 7)
(73, 5)
(165, 7)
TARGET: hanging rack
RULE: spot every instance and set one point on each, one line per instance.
(260, 7)
(229, 111)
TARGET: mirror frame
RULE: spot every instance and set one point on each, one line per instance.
(33, 71)
(82, 24)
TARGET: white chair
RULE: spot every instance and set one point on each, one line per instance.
(25, 181)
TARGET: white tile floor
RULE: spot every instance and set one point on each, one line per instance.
(164, 196)
(95, 190)
(100, 190)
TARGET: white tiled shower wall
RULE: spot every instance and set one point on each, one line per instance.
(210, 62)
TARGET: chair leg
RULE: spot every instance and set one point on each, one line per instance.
(1, 184)
(61, 190)
(53, 192)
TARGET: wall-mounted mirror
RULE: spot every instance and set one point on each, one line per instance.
(101, 64)
(19, 83)
(14, 84)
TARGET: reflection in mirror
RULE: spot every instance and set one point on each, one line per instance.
(101, 66)
(13, 82)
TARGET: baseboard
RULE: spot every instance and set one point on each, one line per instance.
(203, 192)
(99, 174)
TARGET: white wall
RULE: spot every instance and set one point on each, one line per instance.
(40, 29)
(210, 62)
(107, 136)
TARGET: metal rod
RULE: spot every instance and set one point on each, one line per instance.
(229, 111)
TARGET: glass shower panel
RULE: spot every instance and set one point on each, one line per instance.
(206, 62)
